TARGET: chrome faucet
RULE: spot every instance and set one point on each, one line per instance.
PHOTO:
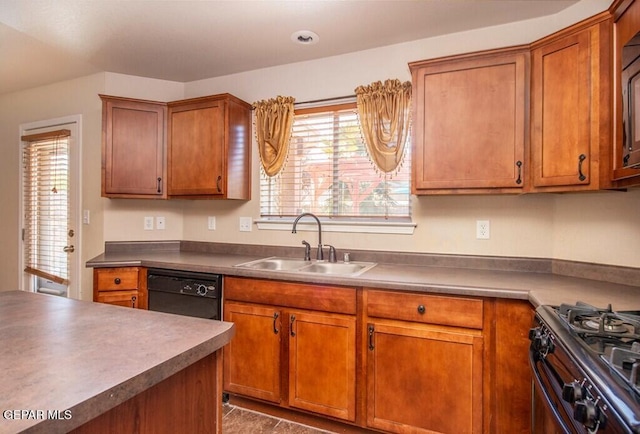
(319, 255)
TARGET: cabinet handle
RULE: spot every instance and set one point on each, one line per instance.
(133, 301)
(219, 184)
(275, 329)
(117, 281)
(581, 158)
(421, 309)
(371, 330)
(159, 185)
(291, 332)
(519, 164)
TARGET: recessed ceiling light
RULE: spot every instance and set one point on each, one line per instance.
(305, 37)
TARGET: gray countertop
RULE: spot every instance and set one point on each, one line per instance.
(537, 287)
(63, 354)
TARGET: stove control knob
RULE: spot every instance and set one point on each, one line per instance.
(540, 341)
(534, 333)
(573, 392)
(587, 413)
(201, 289)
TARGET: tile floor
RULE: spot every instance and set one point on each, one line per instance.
(236, 420)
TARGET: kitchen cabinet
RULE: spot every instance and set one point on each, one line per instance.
(125, 286)
(425, 363)
(252, 359)
(571, 108)
(626, 30)
(469, 123)
(133, 148)
(322, 363)
(209, 143)
(510, 372)
(295, 345)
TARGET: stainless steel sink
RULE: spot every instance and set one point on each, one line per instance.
(314, 267)
(276, 264)
(340, 268)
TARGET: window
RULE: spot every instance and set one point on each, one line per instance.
(328, 173)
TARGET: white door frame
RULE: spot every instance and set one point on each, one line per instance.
(74, 123)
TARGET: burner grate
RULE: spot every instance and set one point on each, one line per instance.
(626, 363)
(591, 321)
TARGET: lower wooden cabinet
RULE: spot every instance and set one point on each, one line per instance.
(322, 363)
(297, 353)
(389, 361)
(125, 286)
(424, 356)
(252, 358)
(422, 379)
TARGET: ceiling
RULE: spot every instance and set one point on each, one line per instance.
(45, 41)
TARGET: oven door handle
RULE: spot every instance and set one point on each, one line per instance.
(537, 377)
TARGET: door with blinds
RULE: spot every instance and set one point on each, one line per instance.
(50, 257)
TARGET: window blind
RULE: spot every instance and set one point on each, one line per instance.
(46, 204)
(329, 173)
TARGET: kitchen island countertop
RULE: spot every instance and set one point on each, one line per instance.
(77, 360)
(534, 286)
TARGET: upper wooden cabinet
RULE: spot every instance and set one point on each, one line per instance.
(469, 123)
(626, 32)
(209, 148)
(570, 108)
(133, 148)
(196, 148)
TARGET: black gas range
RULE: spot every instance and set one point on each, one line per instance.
(585, 363)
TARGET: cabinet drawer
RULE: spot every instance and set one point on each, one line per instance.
(116, 279)
(288, 294)
(424, 308)
(128, 298)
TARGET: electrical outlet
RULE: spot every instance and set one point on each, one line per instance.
(211, 223)
(483, 230)
(160, 223)
(148, 223)
(245, 224)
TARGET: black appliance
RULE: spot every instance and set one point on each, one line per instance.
(585, 363)
(185, 293)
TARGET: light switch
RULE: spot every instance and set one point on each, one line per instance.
(245, 224)
(148, 223)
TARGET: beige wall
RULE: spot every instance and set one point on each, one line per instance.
(592, 227)
(49, 102)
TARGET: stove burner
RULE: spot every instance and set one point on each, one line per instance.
(609, 325)
(586, 320)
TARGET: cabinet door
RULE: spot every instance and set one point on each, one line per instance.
(322, 363)
(252, 358)
(469, 123)
(625, 34)
(197, 149)
(133, 148)
(120, 298)
(422, 379)
(564, 91)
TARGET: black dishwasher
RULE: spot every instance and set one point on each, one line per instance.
(185, 293)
